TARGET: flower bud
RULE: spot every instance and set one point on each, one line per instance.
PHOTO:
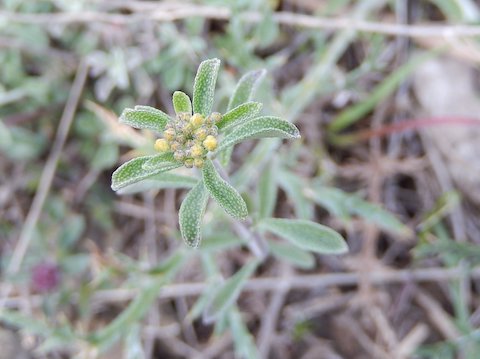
(169, 134)
(188, 163)
(179, 155)
(184, 116)
(197, 120)
(210, 143)
(213, 131)
(161, 145)
(175, 146)
(201, 134)
(196, 151)
(198, 162)
(188, 129)
(216, 117)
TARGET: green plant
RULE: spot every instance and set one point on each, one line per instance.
(195, 137)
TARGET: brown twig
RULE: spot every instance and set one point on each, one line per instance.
(186, 11)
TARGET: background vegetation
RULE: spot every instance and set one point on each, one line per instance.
(385, 94)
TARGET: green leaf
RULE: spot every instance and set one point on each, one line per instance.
(292, 254)
(306, 235)
(267, 191)
(204, 86)
(294, 185)
(261, 127)
(332, 199)
(239, 114)
(191, 214)
(375, 214)
(227, 294)
(242, 339)
(181, 103)
(133, 171)
(145, 117)
(161, 160)
(137, 308)
(225, 195)
(160, 181)
(246, 88)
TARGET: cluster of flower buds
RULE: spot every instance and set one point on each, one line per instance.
(190, 138)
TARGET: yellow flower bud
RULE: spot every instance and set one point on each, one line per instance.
(179, 155)
(161, 145)
(216, 116)
(210, 143)
(175, 146)
(184, 116)
(188, 163)
(197, 120)
(169, 134)
(196, 151)
(201, 134)
(188, 129)
(198, 162)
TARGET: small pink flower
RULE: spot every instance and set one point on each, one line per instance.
(45, 277)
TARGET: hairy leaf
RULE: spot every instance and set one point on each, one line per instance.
(160, 181)
(261, 127)
(306, 235)
(145, 117)
(294, 185)
(267, 191)
(204, 86)
(191, 214)
(246, 88)
(161, 160)
(133, 171)
(181, 102)
(225, 195)
(242, 339)
(239, 114)
(293, 254)
(228, 293)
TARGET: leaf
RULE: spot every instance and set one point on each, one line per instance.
(133, 171)
(191, 214)
(222, 192)
(306, 235)
(342, 204)
(332, 199)
(181, 103)
(137, 308)
(160, 181)
(373, 213)
(144, 117)
(267, 191)
(227, 294)
(242, 339)
(160, 160)
(261, 127)
(294, 185)
(204, 86)
(239, 114)
(292, 254)
(246, 88)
